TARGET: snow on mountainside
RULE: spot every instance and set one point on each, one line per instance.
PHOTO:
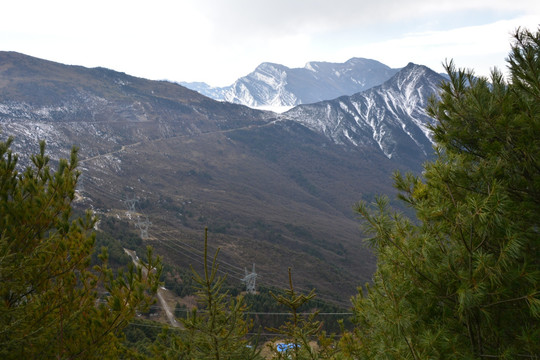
(391, 117)
(275, 85)
(44, 100)
(274, 192)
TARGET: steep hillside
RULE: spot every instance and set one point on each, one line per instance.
(101, 110)
(273, 191)
(390, 117)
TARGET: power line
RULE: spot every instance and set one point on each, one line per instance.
(194, 255)
(240, 269)
(189, 251)
(179, 329)
(184, 310)
(200, 261)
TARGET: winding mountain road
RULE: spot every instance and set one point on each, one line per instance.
(168, 312)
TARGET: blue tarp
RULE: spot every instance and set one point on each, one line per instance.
(281, 347)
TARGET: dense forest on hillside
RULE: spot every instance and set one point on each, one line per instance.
(460, 280)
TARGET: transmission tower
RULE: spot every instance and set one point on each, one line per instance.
(130, 204)
(249, 279)
(143, 227)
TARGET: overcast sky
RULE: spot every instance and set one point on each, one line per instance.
(218, 41)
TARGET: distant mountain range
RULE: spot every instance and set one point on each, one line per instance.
(360, 102)
(274, 189)
(275, 85)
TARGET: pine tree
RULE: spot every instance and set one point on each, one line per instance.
(217, 329)
(462, 279)
(302, 335)
(52, 303)
(298, 332)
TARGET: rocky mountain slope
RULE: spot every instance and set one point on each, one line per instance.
(100, 110)
(277, 85)
(390, 117)
(274, 190)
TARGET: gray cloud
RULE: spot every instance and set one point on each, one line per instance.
(253, 18)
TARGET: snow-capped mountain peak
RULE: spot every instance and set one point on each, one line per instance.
(391, 116)
(273, 84)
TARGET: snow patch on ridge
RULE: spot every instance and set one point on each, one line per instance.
(392, 115)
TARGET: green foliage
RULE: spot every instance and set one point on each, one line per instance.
(218, 329)
(139, 336)
(52, 303)
(177, 280)
(121, 233)
(268, 313)
(116, 254)
(302, 335)
(462, 281)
